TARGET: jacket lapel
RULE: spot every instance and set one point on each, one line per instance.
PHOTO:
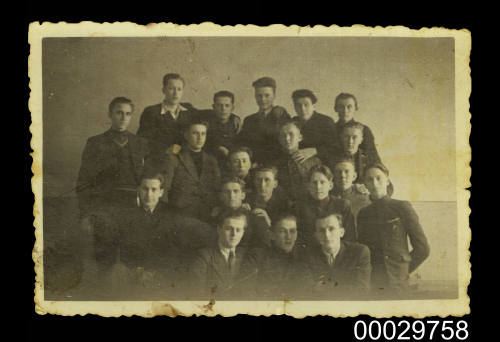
(187, 161)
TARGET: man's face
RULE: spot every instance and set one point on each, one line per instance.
(319, 186)
(196, 136)
(376, 182)
(265, 183)
(240, 164)
(231, 231)
(173, 91)
(289, 138)
(232, 196)
(344, 175)
(346, 108)
(285, 234)
(120, 116)
(223, 107)
(328, 232)
(304, 107)
(150, 192)
(264, 97)
(351, 139)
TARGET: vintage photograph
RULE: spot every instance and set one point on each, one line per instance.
(235, 169)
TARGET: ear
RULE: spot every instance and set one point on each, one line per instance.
(355, 175)
(244, 195)
(330, 185)
(300, 137)
(342, 232)
(213, 105)
(275, 184)
(161, 192)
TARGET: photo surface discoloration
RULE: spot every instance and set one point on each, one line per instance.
(207, 170)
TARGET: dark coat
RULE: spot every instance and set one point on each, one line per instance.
(99, 168)
(188, 193)
(357, 195)
(162, 131)
(260, 134)
(212, 277)
(283, 275)
(310, 209)
(349, 273)
(220, 134)
(368, 144)
(320, 132)
(385, 226)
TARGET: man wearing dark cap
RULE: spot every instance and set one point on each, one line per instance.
(161, 123)
(260, 130)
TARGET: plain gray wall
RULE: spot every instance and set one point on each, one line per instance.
(405, 89)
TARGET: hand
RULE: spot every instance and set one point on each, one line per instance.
(246, 206)
(224, 150)
(174, 149)
(262, 213)
(215, 211)
(302, 155)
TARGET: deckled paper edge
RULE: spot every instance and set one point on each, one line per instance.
(378, 309)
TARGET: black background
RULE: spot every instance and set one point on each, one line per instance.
(92, 327)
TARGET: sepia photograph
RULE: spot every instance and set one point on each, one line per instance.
(263, 170)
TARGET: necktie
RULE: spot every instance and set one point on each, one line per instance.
(230, 259)
(331, 259)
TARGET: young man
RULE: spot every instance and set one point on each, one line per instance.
(319, 202)
(193, 176)
(112, 163)
(260, 130)
(352, 138)
(162, 123)
(339, 268)
(224, 126)
(344, 175)
(282, 271)
(346, 105)
(385, 226)
(226, 270)
(239, 164)
(292, 173)
(318, 130)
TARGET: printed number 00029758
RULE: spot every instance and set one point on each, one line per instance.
(388, 330)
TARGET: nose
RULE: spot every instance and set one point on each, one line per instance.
(231, 233)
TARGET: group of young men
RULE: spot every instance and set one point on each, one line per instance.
(201, 204)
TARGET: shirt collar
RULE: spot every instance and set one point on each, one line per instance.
(334, 254)
(225, 251)
(164, 109)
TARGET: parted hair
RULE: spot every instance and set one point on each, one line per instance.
(325, 214)
(237, 149)
(195, 120)
(265, 168)
(236, 180)
(349, 160)
(296, 123)
(172, 76)
(283, 216)
(153, 174)
(232, 213)
(323, 169)
(224, 93)
(344, 96)
(355, 125)
(301, 93)
(119, 100)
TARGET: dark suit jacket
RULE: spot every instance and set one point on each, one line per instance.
(310, 209)
(320, 132)
(260, 134)
(162, 131)
(385, 226)
(349, 273)
(96, 178)
(211, 275)
(191, 194)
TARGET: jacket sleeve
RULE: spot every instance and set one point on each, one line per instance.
(348, 222)
(198, 275)
(329, 141)
(147, 126)
(86, 177)
(368, 144)
(417, 237)
(168, 168)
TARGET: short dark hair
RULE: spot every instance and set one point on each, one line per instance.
(267, 168)
(232, 213)
(120, 100)
(345, 96)
(345, 160)
(283, 216)
(265, 82)
(150, 174)
(172, 76)
(301, 93)
(236, 180)
(329, 213)
(323, 169)
(353, 124)
(224, 93)
(237, 149)
(195, 120)
(296, 123)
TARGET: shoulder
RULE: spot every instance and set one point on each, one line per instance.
(340, 202)
(356, 248)
(96, 139)
(210, 158)
(149, 110)
(235, 118)
(324, 118)
(251, 118)
(189, 106)
(279, 111)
